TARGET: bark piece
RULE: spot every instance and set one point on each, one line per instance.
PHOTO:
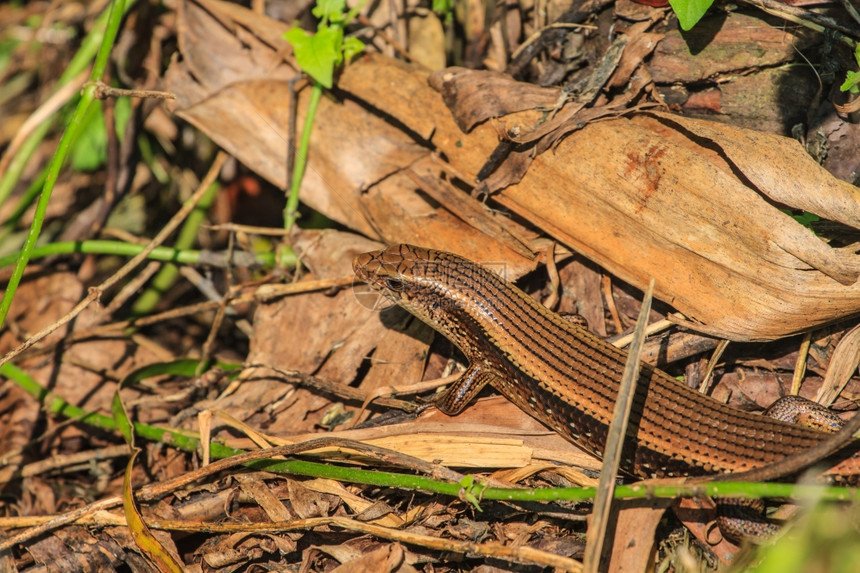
(723, 45)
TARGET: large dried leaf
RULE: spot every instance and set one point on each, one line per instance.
(691, 204)
(779, 168)
(681, 202)
(658, 203)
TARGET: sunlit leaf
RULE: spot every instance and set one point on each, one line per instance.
(851, 80)
(689, 12)
(352, 47)
(329, 10)
(317, 54)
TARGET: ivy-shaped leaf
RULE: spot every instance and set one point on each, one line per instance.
(352, 47)
(329, 11)
(851, 80)
(317, 54)
(689, 12)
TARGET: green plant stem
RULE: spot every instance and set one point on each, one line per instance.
(71, 134)
(103, 247)
(292, 207)
(166, 276)
(189, 442)
(78, 64)
(56, 405)
(24, 203)
(144, 146)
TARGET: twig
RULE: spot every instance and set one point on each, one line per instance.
(104, 91)
(159, 489)
(808, 19)
(615, 441)
(96, 292)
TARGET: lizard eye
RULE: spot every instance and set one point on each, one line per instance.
(394, 284)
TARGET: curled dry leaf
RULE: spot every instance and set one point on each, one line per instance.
(691, 204)
(682, 201)
(486, 94)
(841, 368)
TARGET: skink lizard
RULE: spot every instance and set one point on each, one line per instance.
(568, 378)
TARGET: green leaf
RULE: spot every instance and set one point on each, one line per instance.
(472, 491)
(120, 418)
(353, 12)
(689, 12)
(851, 80)
(352, 47)
(442, 7)
(90, 150)
(329, 11)
(805, 218)
(317, 54)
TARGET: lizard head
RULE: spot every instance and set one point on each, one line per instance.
(437, 287)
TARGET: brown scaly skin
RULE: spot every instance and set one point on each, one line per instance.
(568, 379)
